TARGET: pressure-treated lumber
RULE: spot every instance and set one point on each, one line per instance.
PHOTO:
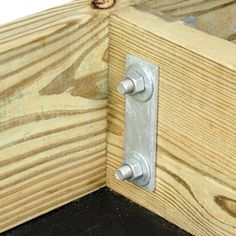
(113, 4)
(53, 76)
(53, 107)
(196, 174)
(214, 17)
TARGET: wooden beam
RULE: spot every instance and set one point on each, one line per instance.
(53, 107)
(214, 17)
(114, 4)
(53, 88)
(196, 124)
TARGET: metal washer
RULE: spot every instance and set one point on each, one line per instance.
(145, 178)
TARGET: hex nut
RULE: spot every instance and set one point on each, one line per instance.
(137, 80)
(136, 167)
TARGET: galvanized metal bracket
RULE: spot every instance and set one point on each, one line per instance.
(141, 89)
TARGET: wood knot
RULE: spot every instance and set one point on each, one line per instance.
(227, 204)
(102, 4)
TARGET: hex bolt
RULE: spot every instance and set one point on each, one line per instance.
(124, 172)
(126, 86)
(132, 84)
(131, 170)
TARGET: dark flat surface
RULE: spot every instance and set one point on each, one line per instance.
(102, 213)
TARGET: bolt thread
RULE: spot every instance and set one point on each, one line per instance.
(129, 86)
(124, 172)
(126, 87)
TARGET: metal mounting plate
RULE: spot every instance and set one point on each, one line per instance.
(141, 121)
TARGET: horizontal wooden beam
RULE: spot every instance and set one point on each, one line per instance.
(196, 124)
(53, 107)
(215, 17)
(53, 113)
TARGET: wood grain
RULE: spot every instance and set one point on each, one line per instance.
(214, 17)
(53, 114)
(53, 109)
(196, 175)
